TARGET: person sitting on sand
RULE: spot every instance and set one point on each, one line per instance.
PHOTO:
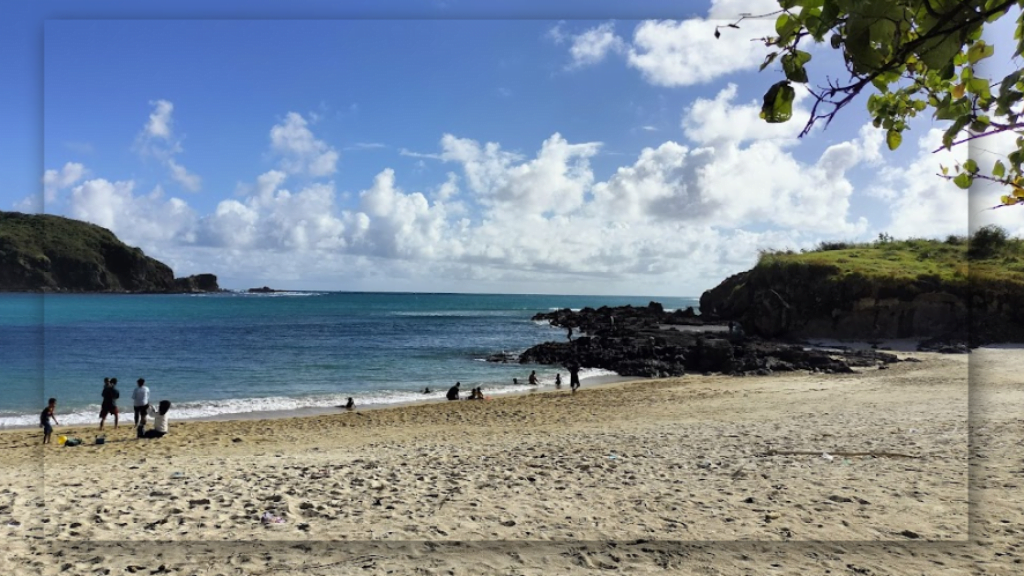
(350, 404)
(533, 378)
(476, 394)
(110, 395)
(159, 429)
(453, 392)
(47, 414)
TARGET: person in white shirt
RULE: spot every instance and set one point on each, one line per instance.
(140, 397)
(159, 420)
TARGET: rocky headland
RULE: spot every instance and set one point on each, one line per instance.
(948, 295)
(45, 253)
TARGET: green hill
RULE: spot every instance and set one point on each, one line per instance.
(51, 253)
(884, 289)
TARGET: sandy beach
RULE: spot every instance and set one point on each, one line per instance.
(869, 473)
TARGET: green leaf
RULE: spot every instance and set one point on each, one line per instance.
(999, 170)
(979, 51)
(786, 26)
(778, 103)
(963, 180)
(792, 65)
(893, 139)
(970, 166)
(939, 52)
(768, 60)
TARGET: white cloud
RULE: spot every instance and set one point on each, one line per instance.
(157, 137)
(684, 53)
(300, 151)
(135, 219)
(592, 46)
(554, 181)
(923, 204)
(159, 125)
(179, 174)
(719, 120)
(555, 33)
(54, 180)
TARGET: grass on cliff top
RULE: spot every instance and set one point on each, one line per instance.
(989, 255)
(35, 235)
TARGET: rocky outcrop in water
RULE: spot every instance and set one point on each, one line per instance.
(650, 342)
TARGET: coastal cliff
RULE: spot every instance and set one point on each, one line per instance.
(45, 253)
(958, 290)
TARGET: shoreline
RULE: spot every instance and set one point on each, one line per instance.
(315, 411)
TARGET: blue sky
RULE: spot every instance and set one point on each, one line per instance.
(585, 148)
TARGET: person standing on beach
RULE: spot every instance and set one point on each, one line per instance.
(109, 406)
(558, 380)
(44, 419)
(140, 397)
(453, 392)
(574, 377)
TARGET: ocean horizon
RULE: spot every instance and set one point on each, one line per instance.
(242, 354)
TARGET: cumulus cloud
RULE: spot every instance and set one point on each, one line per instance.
(554, 181)
(300, 151)
(136, 219)
(684, 212)
(56, 180)
(592, 46)
(921, 203)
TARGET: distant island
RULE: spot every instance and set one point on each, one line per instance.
(46, 253)
(263, 290)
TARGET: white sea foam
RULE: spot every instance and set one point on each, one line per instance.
(249, 407)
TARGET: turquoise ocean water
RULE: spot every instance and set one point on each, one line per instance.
(234, 353)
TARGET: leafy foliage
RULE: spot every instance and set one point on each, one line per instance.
(919, 55)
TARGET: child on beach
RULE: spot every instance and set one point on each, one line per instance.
(159, 421)
(44, 419)
(140, 397)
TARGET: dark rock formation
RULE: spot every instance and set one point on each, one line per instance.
(642, 342)
(197, 283)
(812, 301)
(263, 290)
(44, 253)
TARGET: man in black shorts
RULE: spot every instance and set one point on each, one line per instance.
(109, 405)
